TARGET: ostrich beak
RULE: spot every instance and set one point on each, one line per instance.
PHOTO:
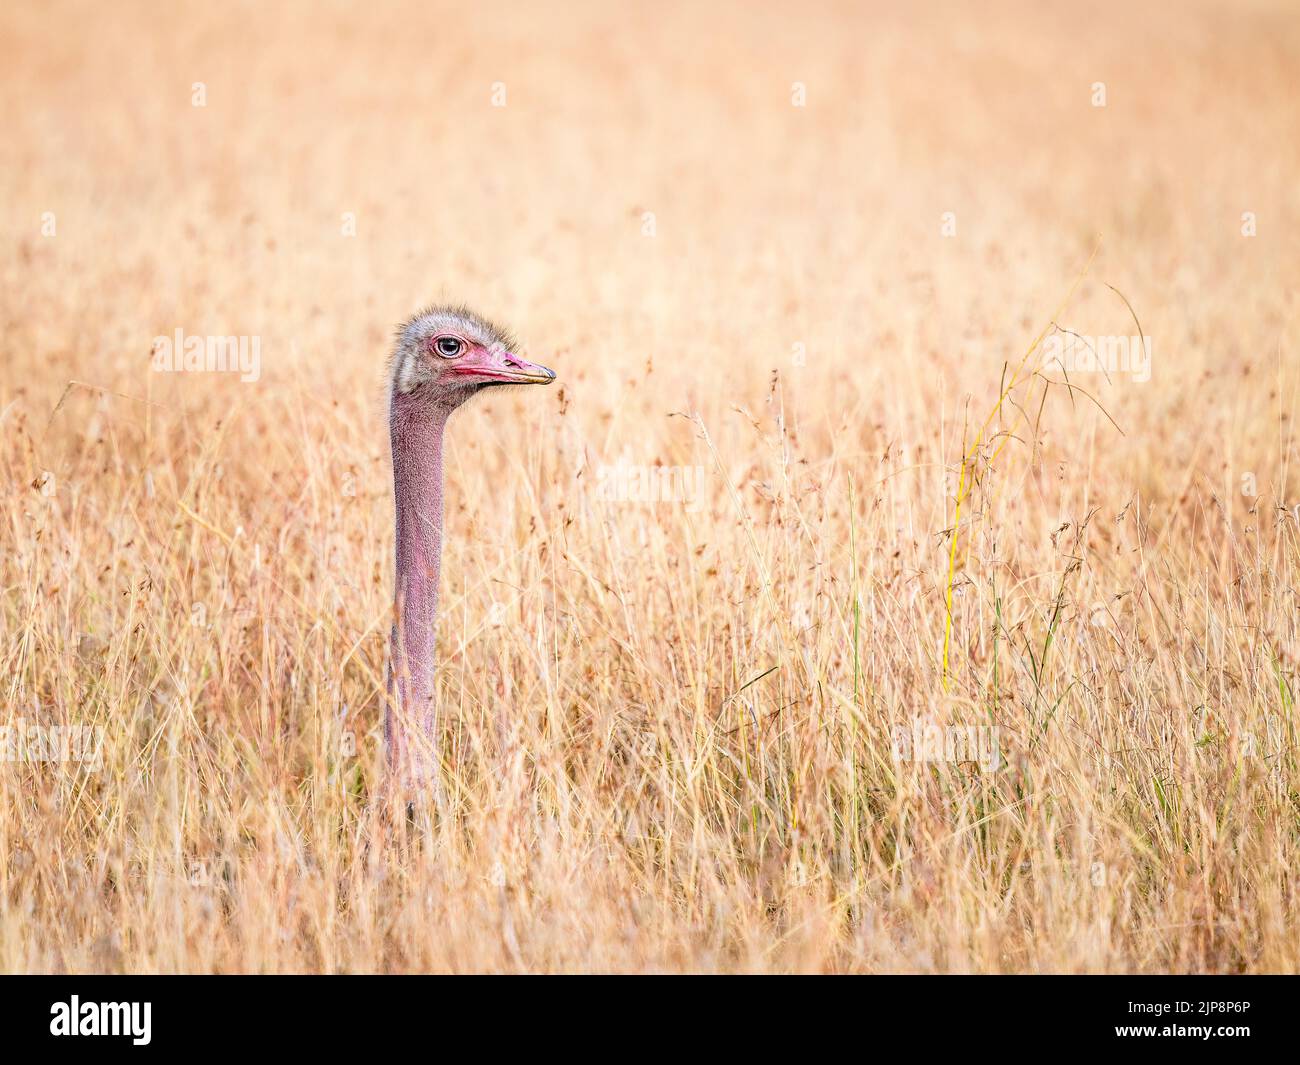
(525, 372)
(506, 368)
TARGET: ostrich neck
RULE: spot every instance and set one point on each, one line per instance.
(417, 433)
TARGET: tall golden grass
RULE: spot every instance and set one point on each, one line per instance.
(675, 732)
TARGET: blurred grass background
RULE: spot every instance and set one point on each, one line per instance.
(669, 729)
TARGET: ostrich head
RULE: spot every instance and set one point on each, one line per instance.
(446, 355)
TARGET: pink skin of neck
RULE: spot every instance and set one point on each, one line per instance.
(417, 433)
(418, 414)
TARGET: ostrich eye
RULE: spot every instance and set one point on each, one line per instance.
(448, 347)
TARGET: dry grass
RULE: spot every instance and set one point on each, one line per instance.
(669, 728)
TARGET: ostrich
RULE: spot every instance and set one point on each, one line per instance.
(442, 357)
